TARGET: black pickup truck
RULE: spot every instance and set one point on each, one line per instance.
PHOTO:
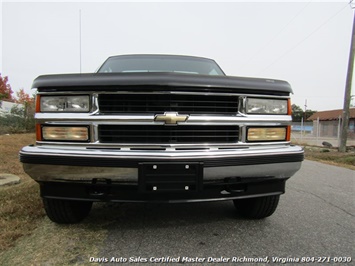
(160, 128)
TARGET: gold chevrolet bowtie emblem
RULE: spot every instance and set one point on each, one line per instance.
(171, 118)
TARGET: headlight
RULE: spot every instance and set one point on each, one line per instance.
(266, 106)
(77, 133)
(68, 104)
(267, 134)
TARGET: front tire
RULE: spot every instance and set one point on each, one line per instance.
(66, 211)
(257, 208)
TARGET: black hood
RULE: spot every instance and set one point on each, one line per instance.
(132, 81)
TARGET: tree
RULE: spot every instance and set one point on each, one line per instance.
(298, 113)
(23, 98)
(26, 111)
(309, 113)
(28, 103)
(5, 89)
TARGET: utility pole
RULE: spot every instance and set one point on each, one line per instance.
(347, 95)
(305, 110)
(304, 118)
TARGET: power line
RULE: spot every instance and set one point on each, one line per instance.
(303, 40)
(80, 39)
(276, 35)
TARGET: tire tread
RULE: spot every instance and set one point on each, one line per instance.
(257, 208)
(66, 211)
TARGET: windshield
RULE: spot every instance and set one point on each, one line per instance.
(161, 63)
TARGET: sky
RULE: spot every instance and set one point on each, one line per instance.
(306, 43)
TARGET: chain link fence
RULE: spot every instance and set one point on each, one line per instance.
(318, 132)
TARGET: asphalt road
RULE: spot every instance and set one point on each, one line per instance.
(315, 219)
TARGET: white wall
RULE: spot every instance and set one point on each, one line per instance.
(6, 106)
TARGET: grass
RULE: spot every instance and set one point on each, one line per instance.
(53, 244)
(22, 214)
(20, 205)
(329, 155)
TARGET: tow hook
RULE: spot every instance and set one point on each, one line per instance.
(100, 187)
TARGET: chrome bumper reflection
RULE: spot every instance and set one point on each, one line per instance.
(47, 171)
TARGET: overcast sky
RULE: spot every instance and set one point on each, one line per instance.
(304, 42)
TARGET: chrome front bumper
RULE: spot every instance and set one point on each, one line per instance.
(82, 164)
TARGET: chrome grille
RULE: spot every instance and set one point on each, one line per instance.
(160, 103)
(159, 134)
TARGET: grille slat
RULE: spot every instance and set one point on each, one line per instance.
(160, 103)
(159, 134)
